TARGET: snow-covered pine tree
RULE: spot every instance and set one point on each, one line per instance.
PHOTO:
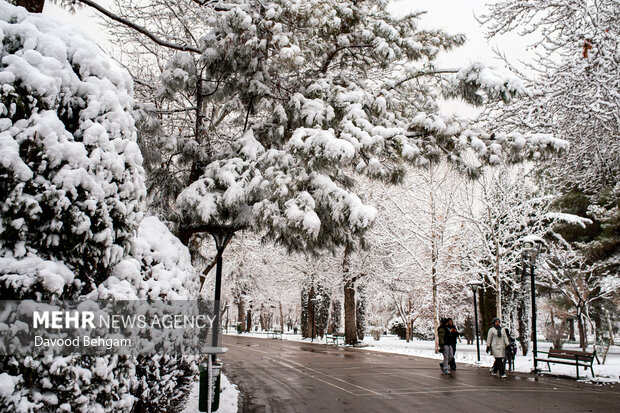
(321, 308)
(265, 111)
(304, 311)
(336, 316)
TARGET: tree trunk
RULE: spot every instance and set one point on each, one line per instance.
(350, 323)
(33, 6)
(524, 313)
(249, 322)
(610, 343)
(241, 312)
(409, 330)
(435, 302)
(583, 342)
(409, 324)
(330, 329)
(281, 318)
(571, 329)
(488, 309)
(498, 282)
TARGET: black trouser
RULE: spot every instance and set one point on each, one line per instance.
(509, 360)
(499, 365)
(453, 361)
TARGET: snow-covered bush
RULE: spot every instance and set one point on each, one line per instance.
(71, 216)
(398, 327)
(376, 333)
(70, 168)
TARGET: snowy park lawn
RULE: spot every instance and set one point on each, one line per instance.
(466, 353)
(608, 373)
(228, 398)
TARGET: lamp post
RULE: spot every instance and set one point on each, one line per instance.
(474, 285)
(221, 237)
(227, 307)
(532, 246)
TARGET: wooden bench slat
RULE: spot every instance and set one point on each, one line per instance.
(554, 350)
(562, 362)
(570, 357)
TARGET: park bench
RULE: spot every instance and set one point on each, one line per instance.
(570, 357)
(334, 338)
(274, 334)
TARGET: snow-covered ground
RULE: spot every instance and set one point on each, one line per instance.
(607, 373)
(228, 398)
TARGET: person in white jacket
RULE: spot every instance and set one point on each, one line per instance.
(497, 340)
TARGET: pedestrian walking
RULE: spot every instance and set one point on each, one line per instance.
(452, 340)
(497, 340)
(443, 334)
(511, 351)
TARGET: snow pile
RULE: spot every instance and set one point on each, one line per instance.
(229, 397)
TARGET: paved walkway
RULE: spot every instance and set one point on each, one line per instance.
(284, 376)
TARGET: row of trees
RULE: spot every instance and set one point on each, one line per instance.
(573, 76)
(261, 116)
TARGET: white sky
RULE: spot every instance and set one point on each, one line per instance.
(453, 16)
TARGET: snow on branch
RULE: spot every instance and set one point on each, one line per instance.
(568, 218)
(140, 29)
(475, 80)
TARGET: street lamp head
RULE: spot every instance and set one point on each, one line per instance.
(474, 284)
(531, 247)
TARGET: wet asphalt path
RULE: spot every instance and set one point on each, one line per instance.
(285, 376)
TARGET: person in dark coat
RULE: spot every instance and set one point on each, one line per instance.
(443, 334)
(511, 351)
(453, 338)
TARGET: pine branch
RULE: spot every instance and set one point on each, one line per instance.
(422, 73)
(140, 29)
